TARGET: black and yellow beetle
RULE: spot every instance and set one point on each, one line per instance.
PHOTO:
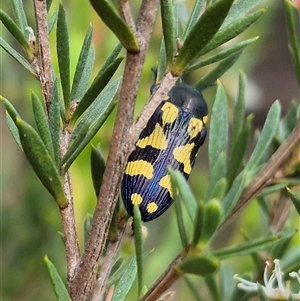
(171, 138)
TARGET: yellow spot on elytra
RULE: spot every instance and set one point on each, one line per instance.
(136, 199)
(151, 207)
(205, 119)
(195, 126)
(170, 113)
(182, 154)
(156, 139)
(139, 167)
(165, 182)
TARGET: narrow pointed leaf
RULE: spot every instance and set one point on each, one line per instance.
(59, 287)
(19, 13)
(13, 129)
(162, 63)
(82, 64)
(233, 195)
(217, 72)
(125, 282)
(97, 167)
(216, 173)
(112, 57)
(231, 31)
(19, 58)
(178, 209)
(42, 123)
(95, 116)
(97, 86)
(168, 26)
(109, 16)
(186, 194)
(218, 137)
(238, 150)
(63, 55)
(267, 134)
(238, 9)
(295, 199)
(199, 265)
(17, 33)
(52, 21)
(138, 242)
(203, 31)
(253, 245)
(193, 17)
(39, 157)
(54, 119)
(239, 108)
(221, 55)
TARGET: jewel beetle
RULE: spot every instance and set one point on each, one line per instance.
(172, 138)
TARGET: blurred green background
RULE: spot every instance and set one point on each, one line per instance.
(30, 220)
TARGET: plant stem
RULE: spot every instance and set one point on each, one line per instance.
(43, 66)
(165, 280)
(81, 287)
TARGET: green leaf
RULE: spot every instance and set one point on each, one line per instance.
(221, 55)
(251, 246)
(168, 26)
(63, 55)
(266, 137)
(52, 21)
(211, 219)
(198, 224)
(87, 223)
(97, 167)
(13, 128)
(238, 149)
(42, 123)
(216, 173)
(60, 290)
(17, 33)
(97, 86)
(186, 194)
(239, 109)
(200, 35)
(54, 119)
(38, 156)
(193, 17)
(95, 116)
(295, 199)
(178, 209)
(199, 265)
(233, 195)
(19, 13)
(219, 190)
(138, 242)
(117, 25)
(239, 8)
(19, 58)
(162, 62)
(76, 141)
(231, 31)
(218, 137)
(293, 32)
(84, 66)
(125, 282)
(218, 71)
